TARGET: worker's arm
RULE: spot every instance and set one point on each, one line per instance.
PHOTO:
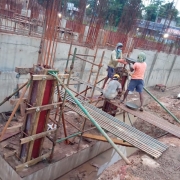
(121, 55)
(132, 67)
(113, 55)
(120, 90)
(122, 61)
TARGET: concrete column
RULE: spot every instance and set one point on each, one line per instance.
(152, 67)
(172, 66)
(83, 68)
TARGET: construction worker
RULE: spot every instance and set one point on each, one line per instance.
(112, 89)
(136, 82)
(116, 56)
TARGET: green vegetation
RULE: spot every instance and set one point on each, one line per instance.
(114, 11)
(159, 10)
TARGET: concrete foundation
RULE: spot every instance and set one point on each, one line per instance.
(51, 171)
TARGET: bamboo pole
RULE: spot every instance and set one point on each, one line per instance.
(36, 136)
(63, 139)
(14, 111)
(7, 98)
(92, 66)
(162, 106)
(99, 68)
(88, 88)
(67, 62)
(32, 162)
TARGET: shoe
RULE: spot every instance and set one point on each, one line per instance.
(130, 92)
(141, 109)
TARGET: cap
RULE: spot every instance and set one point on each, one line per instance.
(141, 57)
(119, 45)
(116, 76)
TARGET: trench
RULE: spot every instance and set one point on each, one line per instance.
(93, 168)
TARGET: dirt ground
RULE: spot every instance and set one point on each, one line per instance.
(144, 167)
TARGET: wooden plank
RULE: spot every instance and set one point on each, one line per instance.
(12, 114)
(102, 138)
(22, 70)
(22, 153)
(49, 77)
(153, 119)
(45, 94)
(8, 135)
(36, 136)
(15, 127)
(32, 162)
(8, 154)
(42, 108)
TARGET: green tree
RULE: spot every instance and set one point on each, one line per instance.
(115, 10)
(110, 10)
(41, 1)
(151, 12)
(178, 21)
(131, 11)
(157, 9)
(168, 9)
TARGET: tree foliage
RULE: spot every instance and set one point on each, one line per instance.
(131, 11)
(109, 10)
(168, 9)
(159, 10)
(41, 1)
(178, 21)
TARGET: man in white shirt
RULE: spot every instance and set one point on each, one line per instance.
(112, 89)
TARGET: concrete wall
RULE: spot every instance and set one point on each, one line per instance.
(22, 51)
(15, 51)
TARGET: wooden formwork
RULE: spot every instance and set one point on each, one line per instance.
(41, 93)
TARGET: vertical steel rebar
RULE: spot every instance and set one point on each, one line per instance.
(82, 129)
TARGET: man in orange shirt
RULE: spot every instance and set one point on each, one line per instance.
(137, 77)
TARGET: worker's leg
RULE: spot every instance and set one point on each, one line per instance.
(125, 95)
(139, 89)
(131, 87)
(109, 75)
(141, 101)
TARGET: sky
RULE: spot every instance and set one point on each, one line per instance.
(178, 5)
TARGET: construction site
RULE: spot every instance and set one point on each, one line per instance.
(53, 115)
